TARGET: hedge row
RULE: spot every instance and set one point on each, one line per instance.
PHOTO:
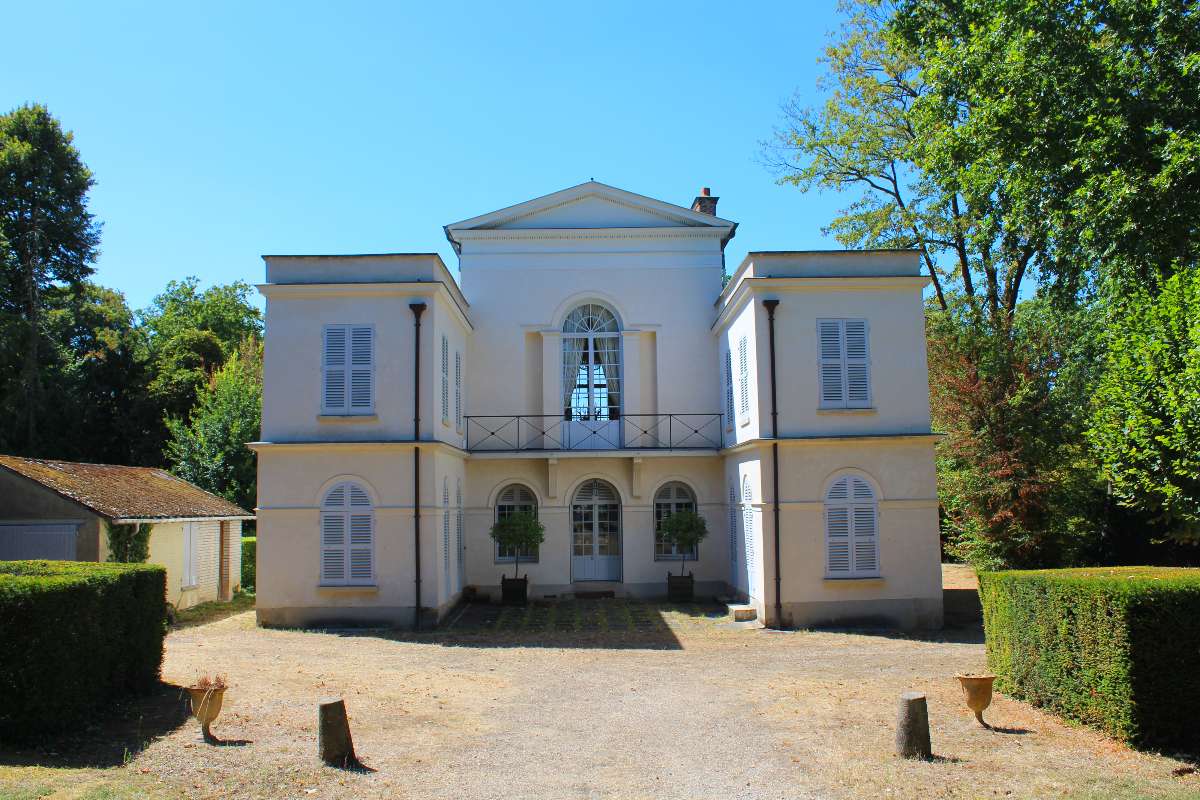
(1116, 648)
(74, 636)
(249, 557)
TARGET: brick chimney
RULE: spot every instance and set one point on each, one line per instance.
(705, 203)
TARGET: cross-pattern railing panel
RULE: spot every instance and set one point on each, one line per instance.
(517, 432)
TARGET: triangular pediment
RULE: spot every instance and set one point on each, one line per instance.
(587, 206)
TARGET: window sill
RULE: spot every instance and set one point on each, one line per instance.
(675, 559)
(191, 588)
(849, 411)
(347, 418)
(348, 589)
(508, 562)
(864, 580)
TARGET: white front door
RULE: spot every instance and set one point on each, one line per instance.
(596, 534)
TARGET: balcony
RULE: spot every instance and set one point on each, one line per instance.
(526, 432)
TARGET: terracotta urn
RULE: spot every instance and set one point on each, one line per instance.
(977, 690)
(206, 705)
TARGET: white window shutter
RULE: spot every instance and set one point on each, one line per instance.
(858, 370)
(362, 368)
(744, 374)
(333, 548)
(729, 412)
(831, 362)
(445, 380)
(458, 415)
(334, 369)
(347, 536)
(362, 548)
(851, 535)
(837, 537)
(446, 529)
(866, 545)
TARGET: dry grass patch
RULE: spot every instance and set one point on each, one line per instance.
(724, 712)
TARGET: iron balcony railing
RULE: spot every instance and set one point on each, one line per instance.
(517, 432)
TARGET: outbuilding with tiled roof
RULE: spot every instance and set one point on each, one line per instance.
(65, 510)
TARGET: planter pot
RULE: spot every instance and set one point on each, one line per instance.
(977, 691)
(206, 705)
(514, 591)
(681, 588)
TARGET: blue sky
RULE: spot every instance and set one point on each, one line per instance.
(219, 132)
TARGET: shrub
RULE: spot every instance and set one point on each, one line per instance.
(75, 636)
(520, 532)
(1114, 648)
(249, 560)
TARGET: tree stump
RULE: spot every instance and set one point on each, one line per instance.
(912, 727)
(333, 734)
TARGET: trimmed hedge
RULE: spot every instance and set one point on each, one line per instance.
(1116, 648)
(249, 561)
(75, 636)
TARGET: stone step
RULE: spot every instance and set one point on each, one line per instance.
(741, 612)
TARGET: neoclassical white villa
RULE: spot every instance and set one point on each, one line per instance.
(596, 368)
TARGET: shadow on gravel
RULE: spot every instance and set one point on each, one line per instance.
(607, 623)
(111, 737)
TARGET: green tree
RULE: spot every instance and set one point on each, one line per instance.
(1017, 483)
(1146, 425)
(518, 533)
(190, 334)
(1087, 111)
(47, 236)
(209, 449)
(685, 530)
(879, 135)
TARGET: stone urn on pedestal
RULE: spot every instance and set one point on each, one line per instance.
(977, 691)
(207, 695)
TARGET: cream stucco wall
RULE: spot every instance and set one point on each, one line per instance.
(901, 471)
(554, 485)
(658, 268)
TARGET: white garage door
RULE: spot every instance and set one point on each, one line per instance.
(49, 540)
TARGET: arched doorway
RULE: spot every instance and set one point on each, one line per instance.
(596, 533)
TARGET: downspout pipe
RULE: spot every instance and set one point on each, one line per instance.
(417, 309)
(770, 306)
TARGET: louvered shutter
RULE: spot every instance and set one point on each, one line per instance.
(866, 559)
(362, 368)
(333, 547)
(729, 413)
(831, 363)
(744, 374)
(852, 541)
(858, 370)
(446, 530)
(335, 369)
(458, 415)
(445, 380)
(347, 536)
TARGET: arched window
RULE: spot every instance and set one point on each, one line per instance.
(515, 499)
(851, 536)
(347, 536)
(748, 535)
(671, 498)
(591, 364)
(446, 532)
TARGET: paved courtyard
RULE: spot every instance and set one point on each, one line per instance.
(592, 699)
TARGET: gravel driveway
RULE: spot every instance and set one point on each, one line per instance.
(649, 702)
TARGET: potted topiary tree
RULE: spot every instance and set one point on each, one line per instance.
(517, 532)
(685, 530)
